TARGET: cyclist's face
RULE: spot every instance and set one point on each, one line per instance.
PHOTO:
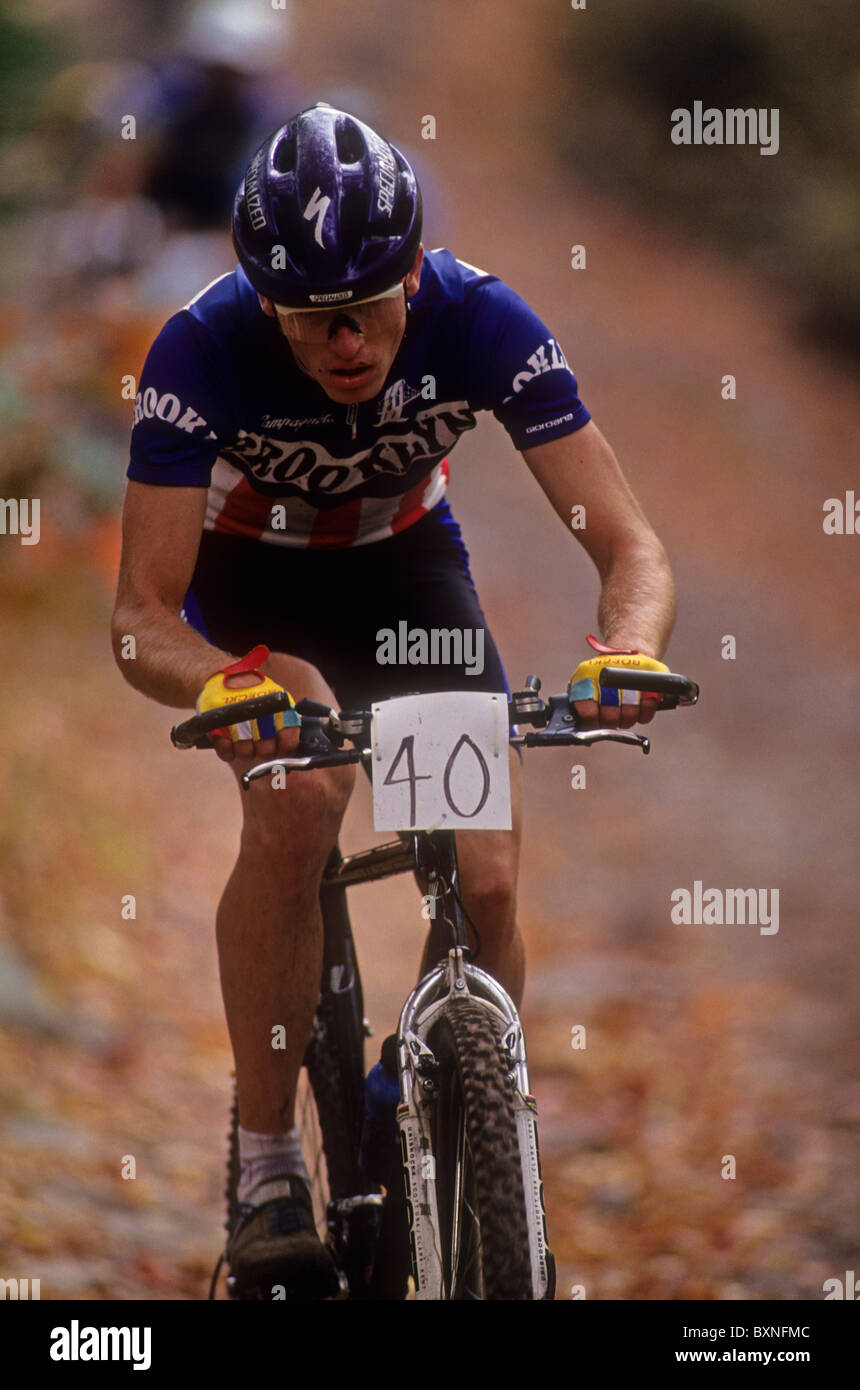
(349, 350)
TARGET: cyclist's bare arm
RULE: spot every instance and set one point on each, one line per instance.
(160, 539)
(172, 662)
(637, 598)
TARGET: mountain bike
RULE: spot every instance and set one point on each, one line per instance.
(454, 1198)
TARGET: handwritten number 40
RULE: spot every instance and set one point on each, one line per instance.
(407, 751)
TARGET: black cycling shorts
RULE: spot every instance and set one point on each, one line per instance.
(329, 607)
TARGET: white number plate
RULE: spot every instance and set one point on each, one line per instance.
(441, 761)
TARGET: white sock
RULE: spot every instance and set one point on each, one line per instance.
(266, 1161)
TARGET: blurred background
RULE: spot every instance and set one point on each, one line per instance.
(552, 130)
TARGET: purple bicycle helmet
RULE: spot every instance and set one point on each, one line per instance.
(328, 212)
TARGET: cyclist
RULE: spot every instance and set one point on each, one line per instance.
(287, 487)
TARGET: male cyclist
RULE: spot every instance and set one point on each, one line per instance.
(287, 487)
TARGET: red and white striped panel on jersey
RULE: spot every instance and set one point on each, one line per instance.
(235, 508)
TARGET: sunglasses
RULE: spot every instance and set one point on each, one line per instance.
(372, 316)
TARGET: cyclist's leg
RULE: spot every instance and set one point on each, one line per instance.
(270, 949)
(269, 929)
(489, 863)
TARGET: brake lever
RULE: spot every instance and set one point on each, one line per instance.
(589, 736)
(560, 729)
(339, 758)
(566, 738)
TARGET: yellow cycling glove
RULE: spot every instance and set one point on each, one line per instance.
(584, 683)
(216, 693)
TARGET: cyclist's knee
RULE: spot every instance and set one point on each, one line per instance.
(491, 892)
(297, 813)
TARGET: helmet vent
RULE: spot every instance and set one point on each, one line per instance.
(349, 142)
(284, 159)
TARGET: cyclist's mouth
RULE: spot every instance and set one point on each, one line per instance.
(352, 376)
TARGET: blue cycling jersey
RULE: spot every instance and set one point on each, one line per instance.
(223, 405)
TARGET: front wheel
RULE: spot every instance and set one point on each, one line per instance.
(479, 1182)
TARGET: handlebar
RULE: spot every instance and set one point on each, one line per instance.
(194, 732)
(675, 689)
(323, 730)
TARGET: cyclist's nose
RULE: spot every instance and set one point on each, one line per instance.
(343, 332)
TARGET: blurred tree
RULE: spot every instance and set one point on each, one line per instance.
(25, 55)
(793, 215)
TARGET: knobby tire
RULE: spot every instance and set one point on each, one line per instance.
(479, 1183)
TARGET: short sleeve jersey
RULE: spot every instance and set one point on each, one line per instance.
(223, 405)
